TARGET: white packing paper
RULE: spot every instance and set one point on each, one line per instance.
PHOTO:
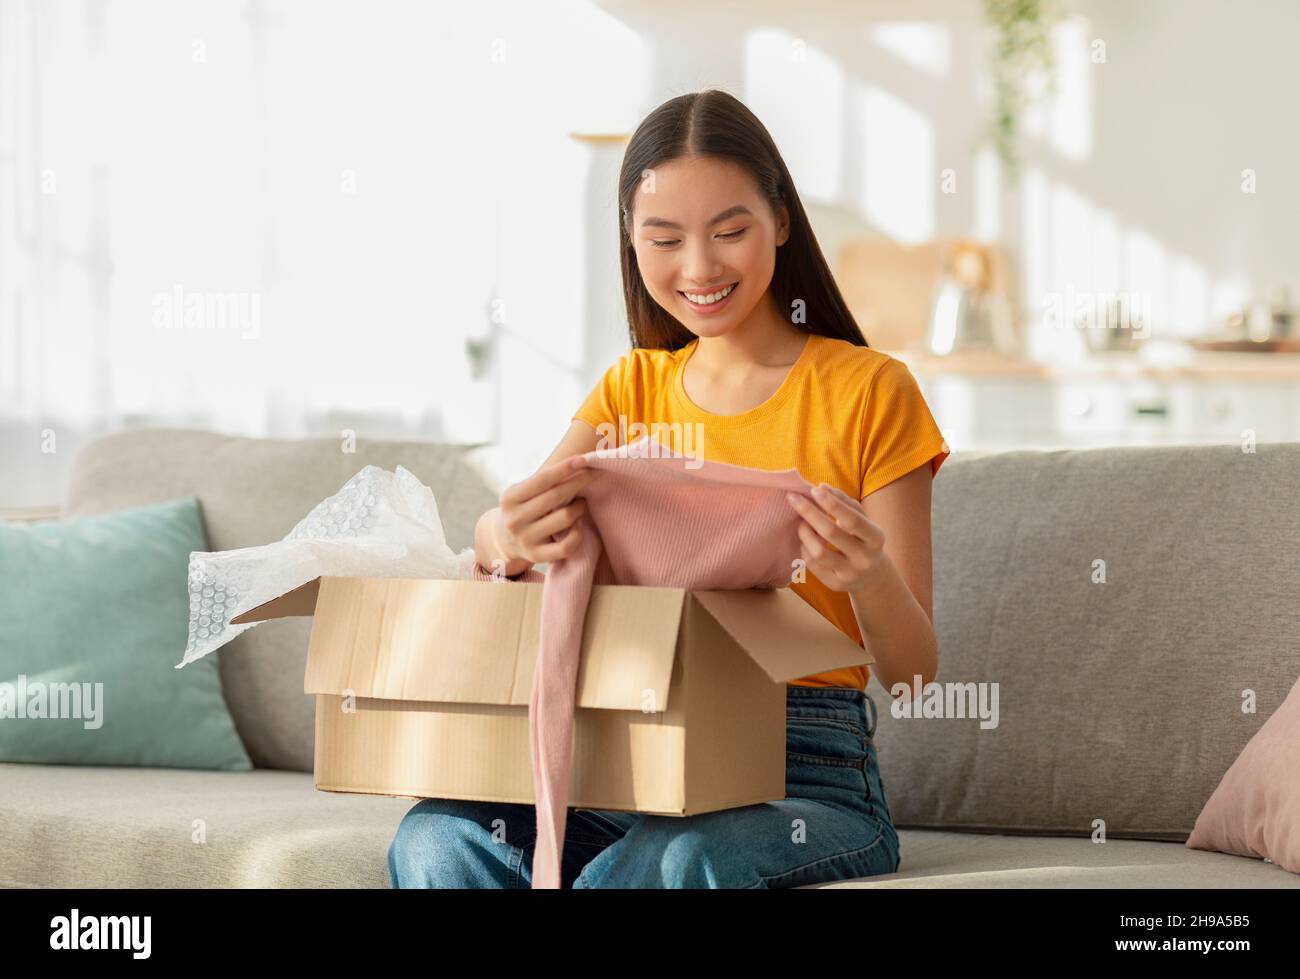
(381, 524)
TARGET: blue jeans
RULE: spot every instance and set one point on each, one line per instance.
(834, 824)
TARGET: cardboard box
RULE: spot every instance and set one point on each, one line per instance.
(680, 703)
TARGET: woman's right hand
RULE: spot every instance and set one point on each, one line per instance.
(544, 505)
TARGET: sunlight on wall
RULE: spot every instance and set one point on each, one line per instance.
(1070, 234)
(1146, 273)
(1061, 115)
(898, 181)
(1035, 268)
(1070, 106)
(1188, 298)
(1107, 274)
(797, 89)
(988, 195)
(924, 45)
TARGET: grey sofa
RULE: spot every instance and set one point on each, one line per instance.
(1118, 700)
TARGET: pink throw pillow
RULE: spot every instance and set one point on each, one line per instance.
(1255, 811)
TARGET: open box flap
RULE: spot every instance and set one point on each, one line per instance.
(476, 641)
(782, 633)
(299, 601)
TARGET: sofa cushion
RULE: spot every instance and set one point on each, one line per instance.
(93, 613)
(62, 826)
(253, 491)
(72, 826)
(1255, 811)
(1119, 699)
(941, 859)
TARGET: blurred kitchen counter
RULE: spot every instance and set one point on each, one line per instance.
(985, 401)
(1197, 365)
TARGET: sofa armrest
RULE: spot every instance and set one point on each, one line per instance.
(30, 514)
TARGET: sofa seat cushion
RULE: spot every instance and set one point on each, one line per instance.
(938, 858)
(91, 826)
(74, 826)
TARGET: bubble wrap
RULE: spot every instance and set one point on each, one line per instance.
(379, 525)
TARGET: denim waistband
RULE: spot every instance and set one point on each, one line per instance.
(847, 702)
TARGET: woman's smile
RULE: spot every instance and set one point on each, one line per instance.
(726, 293)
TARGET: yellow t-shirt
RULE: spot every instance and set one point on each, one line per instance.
(846, 415)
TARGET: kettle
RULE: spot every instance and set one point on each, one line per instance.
(965, 312)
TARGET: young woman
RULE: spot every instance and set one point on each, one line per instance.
(740, 336)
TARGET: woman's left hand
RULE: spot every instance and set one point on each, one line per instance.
(841, 546)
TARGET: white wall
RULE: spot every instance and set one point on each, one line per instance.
(375, 176)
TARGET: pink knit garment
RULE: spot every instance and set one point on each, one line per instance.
(653, 518)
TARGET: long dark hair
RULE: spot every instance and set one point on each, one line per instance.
(715, 124)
